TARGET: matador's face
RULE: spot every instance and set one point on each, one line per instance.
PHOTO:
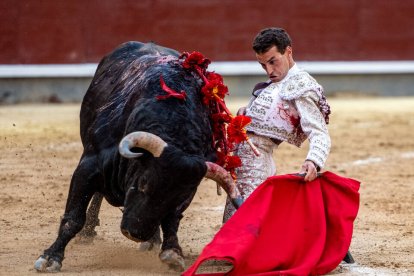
(275, 64)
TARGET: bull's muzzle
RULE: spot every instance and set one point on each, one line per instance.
(129, 236)
(137, 230)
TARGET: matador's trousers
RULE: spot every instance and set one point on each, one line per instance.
(254, 169)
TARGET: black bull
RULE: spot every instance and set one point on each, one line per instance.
(141, 153)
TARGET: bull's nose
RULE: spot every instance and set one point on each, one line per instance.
(129, 236)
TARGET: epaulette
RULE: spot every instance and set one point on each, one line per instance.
(297, 85)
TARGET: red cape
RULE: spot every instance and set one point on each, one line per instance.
(288, 227)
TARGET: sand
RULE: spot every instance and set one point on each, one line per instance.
(40, 146)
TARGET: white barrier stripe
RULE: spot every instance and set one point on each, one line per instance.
(320, 67)
(225, 68)
(47, 70)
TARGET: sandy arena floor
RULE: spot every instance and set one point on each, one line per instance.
(373, 142)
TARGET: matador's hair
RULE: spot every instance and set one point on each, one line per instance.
(269, 37)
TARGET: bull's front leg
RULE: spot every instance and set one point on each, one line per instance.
(80, 194)
(171, 252)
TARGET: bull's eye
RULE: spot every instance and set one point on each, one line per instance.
(142, 187)
(142, 184)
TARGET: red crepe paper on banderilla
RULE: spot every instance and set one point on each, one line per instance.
(227, 129)
(170, 92)
(287, 227)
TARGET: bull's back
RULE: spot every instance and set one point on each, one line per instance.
(108, 75)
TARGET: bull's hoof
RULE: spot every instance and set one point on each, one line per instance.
(84, 240)
(149, 246)
(45, 264)
(173, 259)
(85, 236)
(153, 244)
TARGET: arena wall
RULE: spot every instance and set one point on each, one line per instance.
(76, 31)
(79, 33)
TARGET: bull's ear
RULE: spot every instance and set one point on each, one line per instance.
(140, 139)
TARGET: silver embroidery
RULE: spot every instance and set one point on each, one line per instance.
(296, 110)
(296, 85)
(314, 126)
(277, 119)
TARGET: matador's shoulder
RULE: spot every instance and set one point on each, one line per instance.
(298, 84)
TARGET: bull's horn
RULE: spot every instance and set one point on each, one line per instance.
(224, 179)
(141, 139)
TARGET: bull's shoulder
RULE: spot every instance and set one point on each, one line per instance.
(136, 49)
(129, 51)
(155, 49)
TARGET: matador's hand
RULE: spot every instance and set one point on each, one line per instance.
(309, 169)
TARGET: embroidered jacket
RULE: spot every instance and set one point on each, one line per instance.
(292, 110)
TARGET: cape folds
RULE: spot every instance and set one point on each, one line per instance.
(288, 227)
